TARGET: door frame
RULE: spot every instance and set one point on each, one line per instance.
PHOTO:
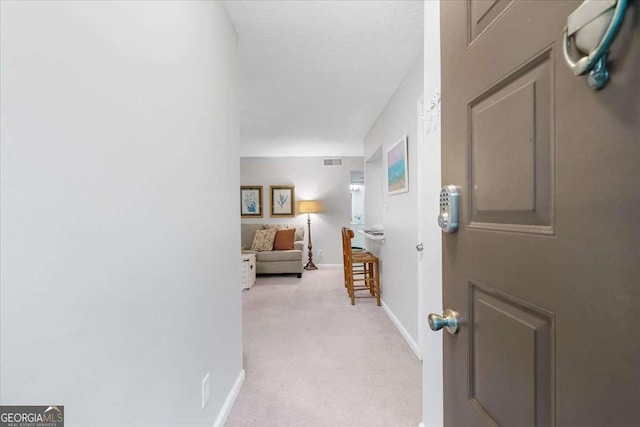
(420, 226)
(429, 183)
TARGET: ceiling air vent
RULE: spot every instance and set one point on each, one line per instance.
(337, 161)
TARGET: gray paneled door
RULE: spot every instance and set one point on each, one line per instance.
(545, 268)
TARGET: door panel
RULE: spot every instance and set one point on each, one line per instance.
(482, 13)
(511, 141)
(511, 379)
(544, 268)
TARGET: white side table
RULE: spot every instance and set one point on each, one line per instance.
(248, 270)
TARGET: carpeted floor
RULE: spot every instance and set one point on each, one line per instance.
(312, 359)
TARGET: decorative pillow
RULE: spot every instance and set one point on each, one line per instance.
(299, 230)
(263, 240)
(284, 240)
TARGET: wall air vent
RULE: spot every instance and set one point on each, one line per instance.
(336, 161)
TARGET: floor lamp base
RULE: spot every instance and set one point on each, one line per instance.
(310, 266)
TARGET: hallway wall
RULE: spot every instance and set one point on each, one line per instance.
(119, 288)
(397, 213)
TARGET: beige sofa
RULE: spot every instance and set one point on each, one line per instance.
(274, 262)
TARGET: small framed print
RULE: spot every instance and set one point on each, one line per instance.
(283, 201)
(396, 162)
(251, 201)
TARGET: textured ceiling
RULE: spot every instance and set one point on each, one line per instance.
(314, 75)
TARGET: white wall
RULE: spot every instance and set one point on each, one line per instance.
(119, 241)
(432, 393)
(374, 181)
(312, 180)
(398, 263)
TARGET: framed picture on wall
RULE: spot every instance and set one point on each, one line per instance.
(396, 162)
(283, 201)
(251, 201)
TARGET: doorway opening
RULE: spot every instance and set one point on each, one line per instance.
(356, 187)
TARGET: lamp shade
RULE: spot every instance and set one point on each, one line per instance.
(309, 206)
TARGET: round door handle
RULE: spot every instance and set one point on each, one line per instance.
(419, 247)
(449, 320)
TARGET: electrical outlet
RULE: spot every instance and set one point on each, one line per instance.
(320, 253)
(206, 389)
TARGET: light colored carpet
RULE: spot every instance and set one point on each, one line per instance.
(313, 359)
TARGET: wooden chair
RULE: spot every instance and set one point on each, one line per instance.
(359, 267)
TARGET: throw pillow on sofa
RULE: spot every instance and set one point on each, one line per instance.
(263, 240)
(299, 230)
(284, 240)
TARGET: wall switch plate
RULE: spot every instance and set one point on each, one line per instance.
(206, 389)
(320, 253)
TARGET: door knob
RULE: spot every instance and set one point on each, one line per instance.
(419, 247)
(448, 320)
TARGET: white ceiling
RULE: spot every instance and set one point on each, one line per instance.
(314, 75)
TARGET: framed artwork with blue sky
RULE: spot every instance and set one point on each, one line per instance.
(397, 163)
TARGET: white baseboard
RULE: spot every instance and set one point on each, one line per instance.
(414, 346)
(231, 398)
(326, 266)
